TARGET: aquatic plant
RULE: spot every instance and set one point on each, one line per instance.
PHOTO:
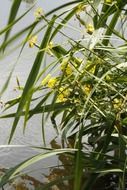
(84, 92)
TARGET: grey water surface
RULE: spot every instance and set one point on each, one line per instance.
(9, 156)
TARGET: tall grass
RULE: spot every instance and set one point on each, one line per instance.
(84, 91)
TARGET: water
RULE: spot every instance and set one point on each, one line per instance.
(9, 156)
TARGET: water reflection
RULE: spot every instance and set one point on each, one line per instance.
(56, 175)
(64, 169)
(60, 177)
(23, 182)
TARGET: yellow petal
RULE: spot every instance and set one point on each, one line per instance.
(46, 79)
(32, 41)
(52, 82)
(90, 28)
(38, 12)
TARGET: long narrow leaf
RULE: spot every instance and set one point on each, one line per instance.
(32, 76)
(13, 13)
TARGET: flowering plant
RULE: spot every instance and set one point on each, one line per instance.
(82, 86)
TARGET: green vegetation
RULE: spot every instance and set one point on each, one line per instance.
(82, 89)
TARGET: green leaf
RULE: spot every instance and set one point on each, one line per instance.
(79, 161)
(13, 13)
(40, 109)
(32, 76)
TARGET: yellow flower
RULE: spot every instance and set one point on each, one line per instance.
(61, 89)
(117, 103)
(108, 78)
(32, 41)
(38, 12)
(80, 8)
(52, 82)
(87, 89)
(90, 28)
(63, 94)
(61, 98)
(49, 47)
(45, 80)
(68, 70)
(65, 91)
(64, 63)
(65, 67)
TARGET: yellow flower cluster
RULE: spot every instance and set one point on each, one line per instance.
(32, 41)
(63, 94)
(117, 103)
(65, 91)
(65, 67)
(87, 89)
(38, 13)
(90, 28)
(61, 98)
(52, 82)
(49, 82)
